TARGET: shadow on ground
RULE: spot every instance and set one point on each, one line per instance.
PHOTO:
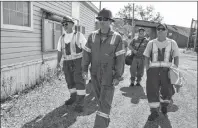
(162, 121)
(135, 93)
(63, 116)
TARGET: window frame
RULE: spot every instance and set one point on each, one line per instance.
(43, 49)
(16, 27)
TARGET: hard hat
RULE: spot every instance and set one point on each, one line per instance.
(141, 28)
(67, 19)
(164, 25)
(105, 13)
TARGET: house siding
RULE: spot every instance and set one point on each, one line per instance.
(22, 62)
(18, 46)
(87, 19)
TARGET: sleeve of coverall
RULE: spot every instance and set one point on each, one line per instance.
(86, 55)
(119, 59)
(59, 44)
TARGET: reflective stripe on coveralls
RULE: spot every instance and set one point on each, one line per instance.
(112, 42)
(73, 90)
(102, 114)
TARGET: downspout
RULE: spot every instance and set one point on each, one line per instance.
(42, 36)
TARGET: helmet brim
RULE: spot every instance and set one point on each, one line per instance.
(98, 17)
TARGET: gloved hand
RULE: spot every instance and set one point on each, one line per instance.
(58, 70)
(85, 75)
(115, 82)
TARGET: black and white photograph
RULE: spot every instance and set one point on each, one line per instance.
(98, 64)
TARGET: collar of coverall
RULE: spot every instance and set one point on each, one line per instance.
(109, 33)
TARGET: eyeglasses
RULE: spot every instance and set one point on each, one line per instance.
(103, 19)
(163, 29)
(64, 24)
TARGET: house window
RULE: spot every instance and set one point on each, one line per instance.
(17, 15)
(52, 30)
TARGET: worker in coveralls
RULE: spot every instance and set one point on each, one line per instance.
(137, 66)
(70, 47)
(159, 55)
(104, 51)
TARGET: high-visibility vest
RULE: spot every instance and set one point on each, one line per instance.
(167, 61)
(175, 75)
(73, 49)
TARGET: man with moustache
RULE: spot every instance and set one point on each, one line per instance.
(70, 47)
(104, 51)
(159, 55)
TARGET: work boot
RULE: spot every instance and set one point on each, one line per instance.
(71, 100)
(132, 84)
(138, 84)
(79, 103)
(164, 108)
(154, 114)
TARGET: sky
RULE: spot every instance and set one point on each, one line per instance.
(174, 13)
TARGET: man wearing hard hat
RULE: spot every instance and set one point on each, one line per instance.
(104, 51)
(70, 47)
(159, 54)
(137, 47)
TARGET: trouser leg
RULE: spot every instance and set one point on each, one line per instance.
(140, 70)
(102, 116)
(80, 84)
(152, 90)
(133, 70)
(69, 77)
(166, 91)
(96, 87)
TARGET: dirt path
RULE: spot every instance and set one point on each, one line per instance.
(43, 107)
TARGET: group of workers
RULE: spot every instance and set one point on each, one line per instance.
(103, 53)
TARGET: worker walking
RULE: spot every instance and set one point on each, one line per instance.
(70, 47)
(104, 51)
(161, 52)
(137, 47)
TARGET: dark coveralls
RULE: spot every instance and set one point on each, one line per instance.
(72, 55)
(137, 66)
(158, 86)
(106, 58)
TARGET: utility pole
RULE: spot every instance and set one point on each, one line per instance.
(100, 6)
(189, 37)
(133, 24)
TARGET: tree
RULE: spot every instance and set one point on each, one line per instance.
(140, 13)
